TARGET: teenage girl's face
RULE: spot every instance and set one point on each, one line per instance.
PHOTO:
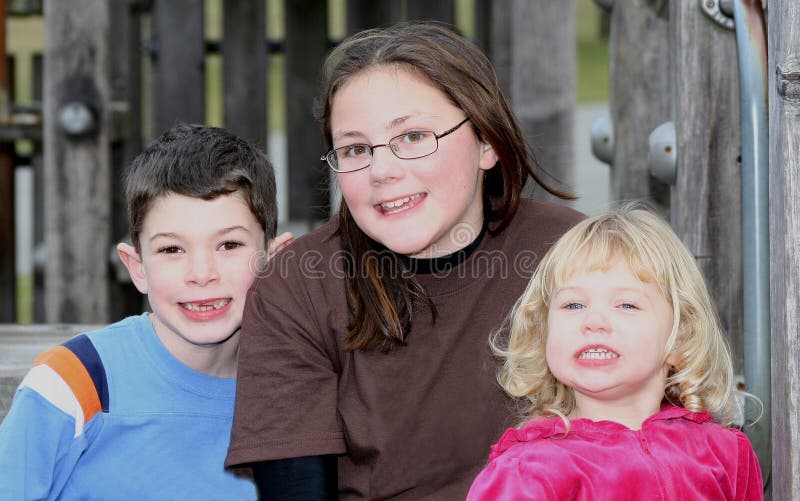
(606, 336)
(424, 207)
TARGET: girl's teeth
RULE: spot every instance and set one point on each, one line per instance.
(398, 202)
(598, 354)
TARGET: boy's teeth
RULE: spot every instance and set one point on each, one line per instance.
(206, 306)
(598, 354)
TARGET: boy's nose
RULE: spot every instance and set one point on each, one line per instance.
(202, 271)
(595, 321)
(385, 166)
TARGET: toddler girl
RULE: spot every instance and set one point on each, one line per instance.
(617, 353)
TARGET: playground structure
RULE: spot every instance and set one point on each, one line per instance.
(718, 82)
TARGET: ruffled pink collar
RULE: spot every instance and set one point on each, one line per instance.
(554, 427)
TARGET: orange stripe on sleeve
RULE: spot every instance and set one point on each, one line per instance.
(72, 371)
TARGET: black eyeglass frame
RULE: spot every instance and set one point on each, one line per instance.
(326, 157)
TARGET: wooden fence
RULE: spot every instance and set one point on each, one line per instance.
(100, 54)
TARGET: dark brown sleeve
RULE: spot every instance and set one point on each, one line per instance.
(287, 386)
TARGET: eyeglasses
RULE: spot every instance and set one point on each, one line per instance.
(406, 146)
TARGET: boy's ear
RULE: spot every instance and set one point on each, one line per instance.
(133, 262)
(278, 243)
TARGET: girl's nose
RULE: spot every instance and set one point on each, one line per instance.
(385, 166)
(595, 321)
(202, 270)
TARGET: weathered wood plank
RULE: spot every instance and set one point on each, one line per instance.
(364, 14)
(306, 46)
(19, 347)
(639, 101)
(179, 69)
(706, 199)
(533, 49)
(77, 169)
(245, 69)
(442, 10)
(784, 185)
(7, 242)
(126, 92)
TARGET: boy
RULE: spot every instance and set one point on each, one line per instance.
(142, 408)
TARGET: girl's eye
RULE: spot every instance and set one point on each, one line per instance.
(230, 245)
(170, 249)
(573, 306)
(413, 137)
(355, 150)
(628, 306)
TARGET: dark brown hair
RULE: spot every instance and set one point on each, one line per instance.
(381, 302)
(201, 162)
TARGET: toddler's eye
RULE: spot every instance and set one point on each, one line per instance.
(628, 306)
(170, 249)
(573, 306)
(230, 245)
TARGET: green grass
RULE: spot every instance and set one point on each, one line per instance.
(24, 299)
(592, 54)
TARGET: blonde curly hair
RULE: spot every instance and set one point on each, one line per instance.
(701, 375)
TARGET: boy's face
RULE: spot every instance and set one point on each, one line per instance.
(195, 267)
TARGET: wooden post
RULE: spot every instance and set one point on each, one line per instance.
(538, 67)
(306, 45)
(126, 139)
(179, 70)
(784, 185)
(364, 14)
(77, 168)
(441, 10)
(706, 199)
(8, 291)
(640, 96)
(245, 68)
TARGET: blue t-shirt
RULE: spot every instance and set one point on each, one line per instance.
(111, 414)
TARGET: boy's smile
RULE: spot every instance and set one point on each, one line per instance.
(194, 266)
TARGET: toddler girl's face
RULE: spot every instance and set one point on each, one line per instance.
(607, 331)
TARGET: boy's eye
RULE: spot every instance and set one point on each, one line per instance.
(231, 245)
(170, 249)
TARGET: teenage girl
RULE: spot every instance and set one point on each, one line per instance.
(363, 370)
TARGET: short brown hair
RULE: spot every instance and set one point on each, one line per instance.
(201, 162)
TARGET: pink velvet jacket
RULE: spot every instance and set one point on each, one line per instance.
(676, 455)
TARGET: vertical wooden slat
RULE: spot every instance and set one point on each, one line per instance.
(77, 170)
(538, 67)
(706, 199)
(784, 186)
(364, 14)
(178, 76)
(245, 69)
(127, 142)
(483, 23)
(306, 45)
(640, 96)
(7, 242)
(440, 10)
